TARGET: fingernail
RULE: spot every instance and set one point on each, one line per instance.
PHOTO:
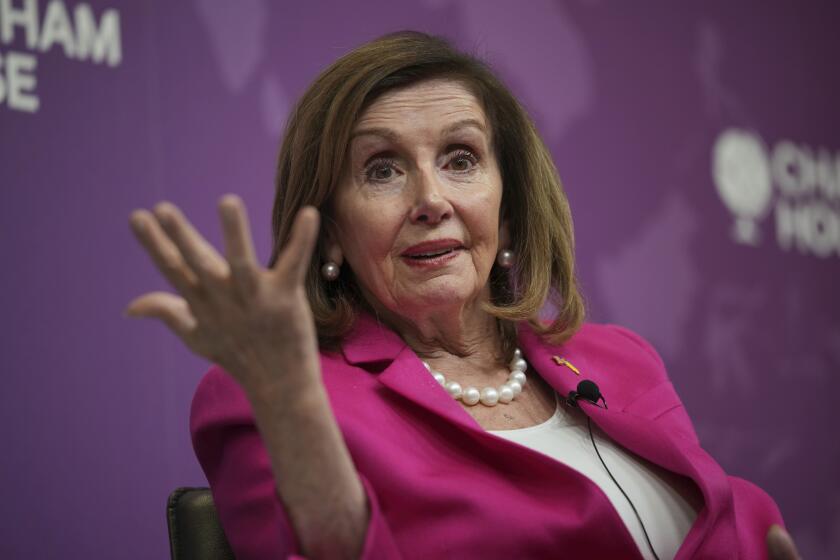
(229, 199)
(164, 211)
(136, 222)
(164, 218)
(228, 213)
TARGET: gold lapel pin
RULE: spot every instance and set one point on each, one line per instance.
(564, 362)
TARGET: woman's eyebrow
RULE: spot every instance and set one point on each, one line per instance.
(389, 134)
(386, 133)
(465, 123)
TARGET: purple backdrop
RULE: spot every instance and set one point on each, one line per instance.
(699, 145)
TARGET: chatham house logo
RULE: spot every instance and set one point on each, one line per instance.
(793, 187)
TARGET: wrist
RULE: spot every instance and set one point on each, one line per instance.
(272, 396)
(262, 378)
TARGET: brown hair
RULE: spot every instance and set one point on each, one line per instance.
(312, 158)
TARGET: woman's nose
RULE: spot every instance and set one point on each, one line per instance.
(430, 204)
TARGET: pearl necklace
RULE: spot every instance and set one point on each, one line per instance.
(489, 396)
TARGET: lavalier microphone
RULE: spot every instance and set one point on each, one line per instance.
(588, 391)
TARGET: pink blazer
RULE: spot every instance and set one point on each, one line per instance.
(440, 486)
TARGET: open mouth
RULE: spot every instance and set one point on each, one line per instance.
(432, 254)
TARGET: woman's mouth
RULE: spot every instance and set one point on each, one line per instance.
(432, 253)
(432, 260)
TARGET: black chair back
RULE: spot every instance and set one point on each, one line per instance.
(194, 529)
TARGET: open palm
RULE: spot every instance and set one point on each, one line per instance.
(253, 321)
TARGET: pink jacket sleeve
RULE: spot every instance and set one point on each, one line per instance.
(231, 453)
(755, 512)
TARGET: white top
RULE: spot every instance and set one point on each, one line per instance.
(658, 494)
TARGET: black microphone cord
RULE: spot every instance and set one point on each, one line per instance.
(629, 501)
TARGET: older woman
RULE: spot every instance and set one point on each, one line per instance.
(385, 388)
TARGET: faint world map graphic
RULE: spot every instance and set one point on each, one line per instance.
(538, 49)
(237, 33)
(656, 267)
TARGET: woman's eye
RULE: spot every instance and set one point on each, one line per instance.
(463, 160)
(382, 173)
(380, 170)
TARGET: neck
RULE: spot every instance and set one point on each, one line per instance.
(461, 340)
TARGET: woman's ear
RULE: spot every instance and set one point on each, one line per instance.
(331, 248)
(504, 234)
(334, 254)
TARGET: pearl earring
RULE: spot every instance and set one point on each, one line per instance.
(330, 271)
(505, 258)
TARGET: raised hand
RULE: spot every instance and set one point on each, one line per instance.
(254, 322)
(257, 324)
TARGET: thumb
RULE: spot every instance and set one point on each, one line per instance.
(780, 545)
(171, 309)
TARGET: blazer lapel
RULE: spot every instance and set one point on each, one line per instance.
(645, 437)
(372, 345)
(409, 377)
(657, 444)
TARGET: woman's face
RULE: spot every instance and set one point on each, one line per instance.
(417, 210)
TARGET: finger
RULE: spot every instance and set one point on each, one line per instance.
(239, 247)
(295, 257)
(197, 252)
(780, 545)
(171, 309)
(164, 253)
